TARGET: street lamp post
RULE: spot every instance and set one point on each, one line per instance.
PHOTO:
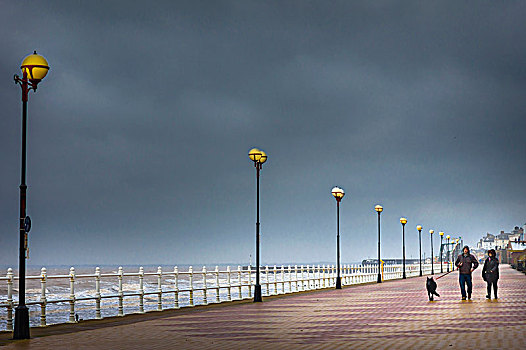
(432, 262)
(403, 221)
(258, 157)
(456, 248)
(447, 252)
(379, 210)
(441, 250)
(34, 69)
(419, 228)
(338, 194)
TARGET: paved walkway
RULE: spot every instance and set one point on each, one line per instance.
(394, 314)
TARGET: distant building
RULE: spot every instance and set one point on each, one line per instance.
(487, 242)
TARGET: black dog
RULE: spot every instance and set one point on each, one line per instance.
(431, 287)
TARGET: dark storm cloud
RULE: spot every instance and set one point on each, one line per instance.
(138, 136)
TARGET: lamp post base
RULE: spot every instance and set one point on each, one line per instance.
(338, 283)
(21, 323)
(403, 276)
(420, 273)
(379, 280)
(257, 293)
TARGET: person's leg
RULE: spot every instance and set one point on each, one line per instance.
(470, 285)
(488, 296)
(495, 288)
(461, 280)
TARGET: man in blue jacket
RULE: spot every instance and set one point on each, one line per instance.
(466, 264)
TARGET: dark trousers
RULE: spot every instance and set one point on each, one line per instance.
(494, 284)
(463, 280)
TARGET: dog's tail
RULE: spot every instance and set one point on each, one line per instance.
(435, 293)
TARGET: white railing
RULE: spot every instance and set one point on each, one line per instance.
(180, 288)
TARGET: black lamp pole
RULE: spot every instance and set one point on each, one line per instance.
(379, 280)
(403, 250)
(21, 330)
(441, 254)
(338, 194)
(257, 287)
(420, 247)
(447, 254)
(258, 157)
(338, 278)
(432, 258)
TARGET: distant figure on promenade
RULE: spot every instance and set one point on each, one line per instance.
(490, 272)
(466, 264)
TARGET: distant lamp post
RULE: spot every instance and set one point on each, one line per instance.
(403, 221)
(379, 210)
(338, 194)
(432, 258)
(456, 248)
(447, 252)
(419, 228)
(258, 157)
(441, 250)
(34, 69)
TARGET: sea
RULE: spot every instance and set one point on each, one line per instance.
(59, 289)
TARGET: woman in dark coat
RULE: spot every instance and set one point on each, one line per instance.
(490, 272)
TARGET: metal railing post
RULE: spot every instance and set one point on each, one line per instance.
(43, 297)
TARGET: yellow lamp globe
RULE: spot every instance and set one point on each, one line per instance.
(378, 208)
(263, 157)
(441, 233)
(403, 221)
(447, 236)
(419, 227)
(431, 231)
(34, 67)
(338, 192)
(254, 154)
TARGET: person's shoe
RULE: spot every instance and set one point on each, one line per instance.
(469, 296)
(488, 297)
(463, 298)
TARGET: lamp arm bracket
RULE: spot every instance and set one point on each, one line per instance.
(21, 82)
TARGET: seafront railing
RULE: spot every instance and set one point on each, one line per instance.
(101, 295)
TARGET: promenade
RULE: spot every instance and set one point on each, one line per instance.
(395, 314)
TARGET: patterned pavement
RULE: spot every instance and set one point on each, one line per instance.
(391, 315)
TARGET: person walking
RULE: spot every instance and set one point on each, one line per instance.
(466, 263)
(490, 272)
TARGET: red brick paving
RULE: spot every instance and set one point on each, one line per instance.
(391, 315)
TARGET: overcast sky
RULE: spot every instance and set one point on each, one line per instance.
(138, 136)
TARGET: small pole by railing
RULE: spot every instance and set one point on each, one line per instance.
(296, 277)
(275, 280)
(9, 299)
(205, 301)
(141, 290)
(43, 297)
(267, 281)
(282, 279)
(308, 277)
(72, 295)
(290, 278)
(218, 300)
(240, 282)
(191, 282)
(159, 289)
(228, 284)
(176, 287)
(97, 293)
(120, 273)
(249, 281)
